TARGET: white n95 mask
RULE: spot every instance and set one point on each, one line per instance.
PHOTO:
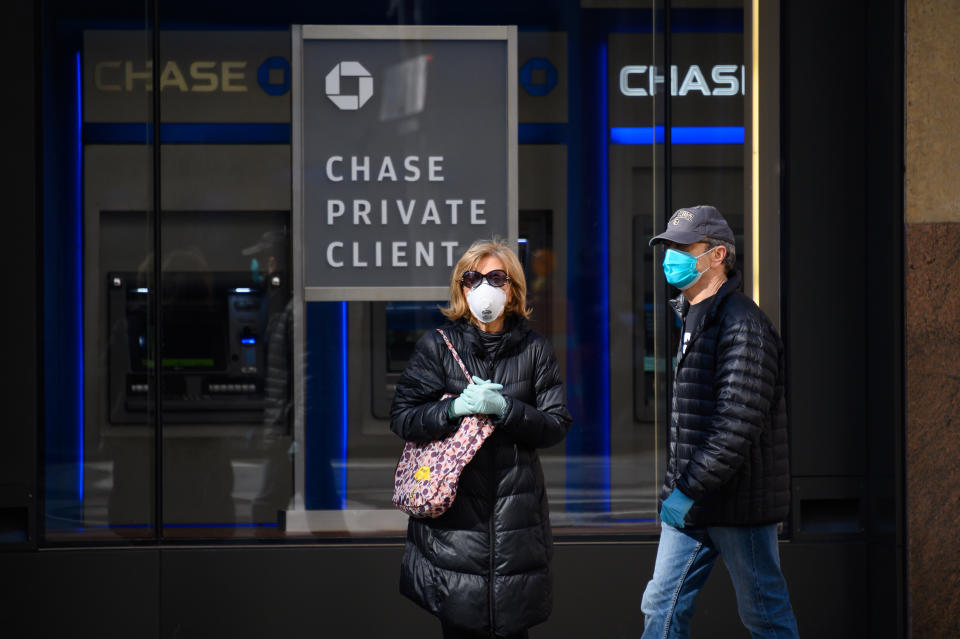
(486, 302)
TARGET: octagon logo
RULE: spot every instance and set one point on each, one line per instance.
(364, 85)
(538, 76)
(273, 76)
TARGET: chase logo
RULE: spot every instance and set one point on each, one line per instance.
(273, 76)
(538, 77)
(348, 102)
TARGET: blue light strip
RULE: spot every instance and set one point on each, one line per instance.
(643, 135)
(707, 134)
(636, 135)
(189, 133)
(78, 271)
(605, 280)
(344, 354)
(325, 427)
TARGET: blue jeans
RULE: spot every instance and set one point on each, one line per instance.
(684, 560)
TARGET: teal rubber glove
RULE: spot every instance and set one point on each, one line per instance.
(485, 398)
(675, 508)
(459, 407)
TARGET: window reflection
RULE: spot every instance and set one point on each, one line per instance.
(589, 199)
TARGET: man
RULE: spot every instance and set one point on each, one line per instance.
(727, 480)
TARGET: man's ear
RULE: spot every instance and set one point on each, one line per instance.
(720, 253)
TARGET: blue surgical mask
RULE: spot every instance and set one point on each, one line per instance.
(680, 268)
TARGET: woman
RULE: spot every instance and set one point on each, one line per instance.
(483, 567)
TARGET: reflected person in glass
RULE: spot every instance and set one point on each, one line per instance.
(727, 480)
(483, 566)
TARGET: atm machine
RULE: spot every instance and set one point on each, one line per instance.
(225, 291)
(215, 328)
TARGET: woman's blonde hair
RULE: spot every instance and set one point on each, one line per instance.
(479, 250)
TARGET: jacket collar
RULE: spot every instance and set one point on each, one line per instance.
(515, 328)
(681, 306)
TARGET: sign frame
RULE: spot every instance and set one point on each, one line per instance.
(300, 33)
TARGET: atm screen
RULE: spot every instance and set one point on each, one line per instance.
(193, 338)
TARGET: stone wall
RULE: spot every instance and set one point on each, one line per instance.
(932, 296)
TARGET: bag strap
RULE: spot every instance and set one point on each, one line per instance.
(455, 355)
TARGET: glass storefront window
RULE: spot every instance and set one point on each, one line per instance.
(88, 208)
(204, 397)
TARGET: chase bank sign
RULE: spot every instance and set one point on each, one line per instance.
(721, 80)
(193, 76)
(204, 76)
(404, 147)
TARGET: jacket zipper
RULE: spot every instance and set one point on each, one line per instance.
(493, 509)
(675, 424)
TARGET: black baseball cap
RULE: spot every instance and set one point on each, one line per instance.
(693, 223)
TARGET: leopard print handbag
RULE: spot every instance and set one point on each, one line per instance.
(425, 482)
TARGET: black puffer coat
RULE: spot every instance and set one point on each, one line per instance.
(728, 421)
(485, 563)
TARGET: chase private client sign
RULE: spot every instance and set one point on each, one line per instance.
(405, 153)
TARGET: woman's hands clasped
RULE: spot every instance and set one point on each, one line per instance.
(481, 397)
(485, 397)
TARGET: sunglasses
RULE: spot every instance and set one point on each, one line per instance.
(472, 279)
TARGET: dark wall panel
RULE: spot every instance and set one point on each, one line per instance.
(352, 591)
(598, 589)
(286, 592)
(824, 222)
(19, 390)
(885, 313)
(842, 193)
(85, 593)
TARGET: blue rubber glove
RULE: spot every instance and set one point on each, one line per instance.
(459, 407)
(485, 398)
(462, 405)
(675, 508)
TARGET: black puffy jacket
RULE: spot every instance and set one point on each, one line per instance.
(485, 563)
(728, 422)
